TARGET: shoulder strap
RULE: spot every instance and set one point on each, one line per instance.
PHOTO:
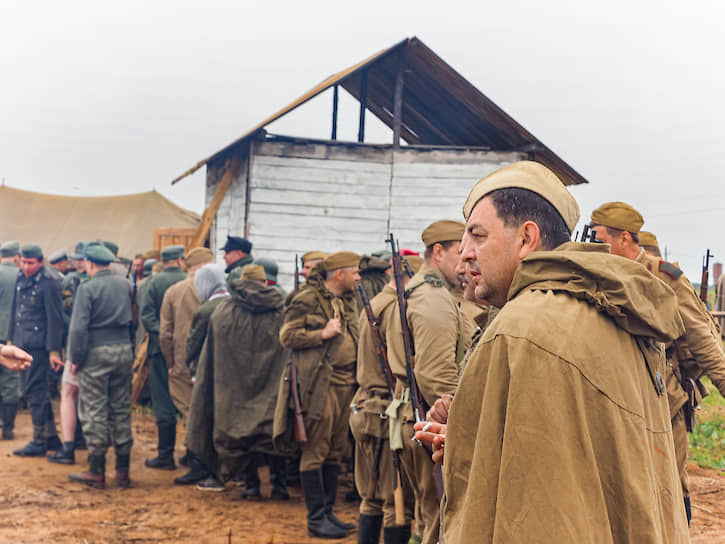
(670, 269)
(430, 279)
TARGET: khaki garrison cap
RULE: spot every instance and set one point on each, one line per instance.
(533, 177)
(313, 256)
(618, 215)
(254, 272)
(152, 254)
(199, 255)
(10, 249)
(648, 239)
(171, 253)
(443, 231)
(341, 259)
(414, 261)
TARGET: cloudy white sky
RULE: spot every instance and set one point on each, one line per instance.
(102, 97)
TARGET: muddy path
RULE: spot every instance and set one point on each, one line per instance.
(38, 504)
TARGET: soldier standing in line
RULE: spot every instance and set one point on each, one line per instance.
(177, 309)
(102, 358)
(441, 333)
(237, 255)
(368, 423)
(310, 260)
(320, 327)
(648, 242)
(161, 403)
(36, 326)
(271, 269)
(699, 352)
(9, 380)
(59, 261)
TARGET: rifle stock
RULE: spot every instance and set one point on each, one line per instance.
(300, 434)
(380, 346)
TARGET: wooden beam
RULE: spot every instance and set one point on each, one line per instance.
(232, 166)
(363, 105)
(398, 100)
(334, 112)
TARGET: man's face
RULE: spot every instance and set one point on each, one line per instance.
(231, 257)
(349, 277)
(604, 236)
(463, 273)
(490, 252)
(138, 266)
(79, 264)
(61, 266)
(448, 262)
(31, 266)
(308, 266)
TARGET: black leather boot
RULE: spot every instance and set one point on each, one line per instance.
(36, 447)
(64, 456)
(318, 524)
(396, 535)
(278, 477)
(369, 529)
(9, 412)
(251, 481)
(197, 471)
(330, 474)
(688, 510)
(123, 461)
(167, 440)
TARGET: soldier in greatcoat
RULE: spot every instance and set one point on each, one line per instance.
(9, 380)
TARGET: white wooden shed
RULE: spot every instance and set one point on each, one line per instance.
(291, 195)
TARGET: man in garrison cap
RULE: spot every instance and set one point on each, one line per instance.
(369, 426)
(237, 255)
(36, 326)
(696, 353)
(441, 335)
(177, 309)
(310, 260)
(100, 355)
(164, 410)
(9, 380)
(563, 393)
(648, 242)
(320, 327)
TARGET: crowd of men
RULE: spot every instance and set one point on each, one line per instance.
(507, 385)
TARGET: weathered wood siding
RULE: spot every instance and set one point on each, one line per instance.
(332, 197)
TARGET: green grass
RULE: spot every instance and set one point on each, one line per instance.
(707, 441)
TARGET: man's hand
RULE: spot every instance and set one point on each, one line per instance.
(56, 363)
(14, 358)
(332, 329)
(438, 413)
(434, 436)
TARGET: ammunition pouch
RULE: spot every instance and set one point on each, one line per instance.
(395, 419)
(371, 419)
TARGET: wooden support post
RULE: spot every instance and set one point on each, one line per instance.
(207, 218)
(398, 101)
(334, 112)
(363, 105)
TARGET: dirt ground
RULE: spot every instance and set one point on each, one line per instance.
(38, 504)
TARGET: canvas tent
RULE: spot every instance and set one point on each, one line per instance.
(55, 222)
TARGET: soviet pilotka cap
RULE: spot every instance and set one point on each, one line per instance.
(254, 272)
(341, 259)
(443, 231)
(10, 249)
(648, 239)
(618, 215)
(534, 177)
(99, 254)
(313, 256)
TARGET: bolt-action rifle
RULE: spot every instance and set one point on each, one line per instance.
(705, 280)
(297, 273)
(300, 434)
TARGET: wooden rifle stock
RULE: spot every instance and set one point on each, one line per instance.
(300, 434)
(705, 280)
(398, 492)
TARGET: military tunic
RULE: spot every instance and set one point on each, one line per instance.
(698, 352)
(559, 430)
(36, 325)
(153, 296)
(100, 346)
(9, 380)
(326, 368)
(369, 424)
(441, 334)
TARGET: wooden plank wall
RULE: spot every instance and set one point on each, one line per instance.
(332, 197)
(230, 217)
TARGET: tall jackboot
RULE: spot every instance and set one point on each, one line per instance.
(330, 474)
(197, 471)
(36, 447)
(79, 439)
(9, 412)
(251, 479)
(688, 510)
(167, 441)
(318, 524)
(278, 477)
(396, 535)
(95, 476)
(123, 461)
(369, 529)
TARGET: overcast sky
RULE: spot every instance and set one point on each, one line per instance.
(121, 97)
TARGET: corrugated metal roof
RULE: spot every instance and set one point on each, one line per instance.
(440, 107)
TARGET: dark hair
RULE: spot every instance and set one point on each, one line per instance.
(429, 250)
(613, 232)
(514, 206)
(654, 250)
